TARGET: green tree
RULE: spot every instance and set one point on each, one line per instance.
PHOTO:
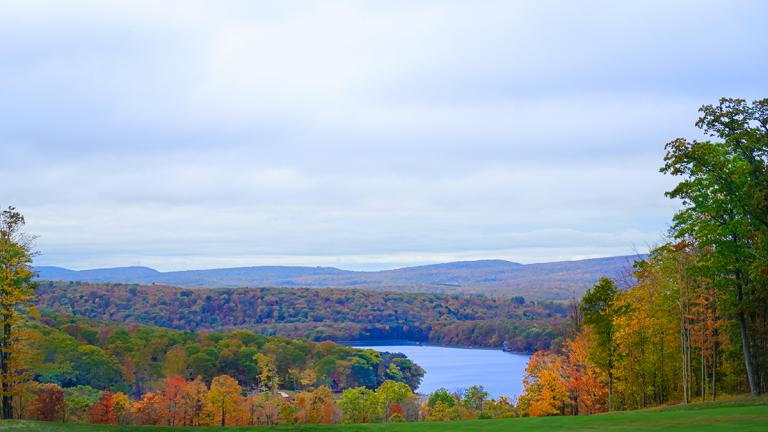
(78, 400)
(359, 405)
(176, 362)
(598, 305)
(724, 192)
(203, 364)
(96, 368)
(390, 393)
(17, 292)
(474, 397)
(441, 395)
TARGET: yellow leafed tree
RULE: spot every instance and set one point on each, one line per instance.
(17, 291)
(225, 400)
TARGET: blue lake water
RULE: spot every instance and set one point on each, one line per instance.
(501, 373)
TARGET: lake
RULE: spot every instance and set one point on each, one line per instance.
(501, 373)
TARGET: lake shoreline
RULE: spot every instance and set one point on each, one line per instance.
(364, 343)
(500, 372)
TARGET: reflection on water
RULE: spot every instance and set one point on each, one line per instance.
(499, 372)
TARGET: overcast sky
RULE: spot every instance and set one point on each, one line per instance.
(362, 135)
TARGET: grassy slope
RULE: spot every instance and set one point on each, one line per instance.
(743, 415)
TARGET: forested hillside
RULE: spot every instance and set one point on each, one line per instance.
(546, 281)
(317, 314)
(131, 358)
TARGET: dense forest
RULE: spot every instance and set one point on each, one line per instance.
(695, 324)
(317, 314)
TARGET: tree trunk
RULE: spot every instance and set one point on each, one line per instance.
(703, 374)
(663, 386)
(746, 352)
(714, 347)
(5, 371)
(610, 391)
(684, 362)
(714, 370)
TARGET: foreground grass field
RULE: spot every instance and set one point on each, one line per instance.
(743, 415)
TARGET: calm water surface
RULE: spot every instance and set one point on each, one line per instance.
(499, 372)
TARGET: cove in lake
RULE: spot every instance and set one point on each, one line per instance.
(501, 373)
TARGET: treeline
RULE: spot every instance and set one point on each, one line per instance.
(695, 325)
(317, 314)
(180, 402)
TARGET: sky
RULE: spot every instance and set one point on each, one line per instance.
(361, 135)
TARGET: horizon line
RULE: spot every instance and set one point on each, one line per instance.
(343, 269)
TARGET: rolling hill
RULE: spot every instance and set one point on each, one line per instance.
(545, 281)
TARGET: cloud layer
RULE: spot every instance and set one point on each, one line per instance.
(361, 135)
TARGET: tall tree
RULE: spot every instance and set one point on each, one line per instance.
(193, 401)
(16, 295)
(225, 398)
(725, 197)
(174, 389)
(585, 382)
(600, 313)
(268, 377)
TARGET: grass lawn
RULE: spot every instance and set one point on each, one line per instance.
(742, 414)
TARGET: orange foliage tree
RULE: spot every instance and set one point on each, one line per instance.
(586, 384)
(193, 401)
(173, 390)
(49, 404)
(103, 410)
(150, 409)
(545, 391)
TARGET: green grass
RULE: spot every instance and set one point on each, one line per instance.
(737, 414)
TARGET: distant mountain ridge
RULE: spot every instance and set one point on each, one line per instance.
(544, 281)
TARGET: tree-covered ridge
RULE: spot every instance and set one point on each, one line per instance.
(72, 352)
(541, 281)
(317, 314)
